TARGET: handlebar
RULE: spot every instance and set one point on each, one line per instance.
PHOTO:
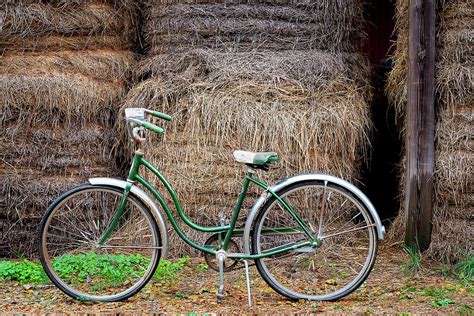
(158, 114)
(136, 119)
(153, 127)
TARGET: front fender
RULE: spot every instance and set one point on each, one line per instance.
(140, 194)
(305, 177)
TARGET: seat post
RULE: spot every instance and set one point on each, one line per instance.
(250, 172)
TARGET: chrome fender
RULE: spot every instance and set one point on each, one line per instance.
(304, 177)
(142, 196)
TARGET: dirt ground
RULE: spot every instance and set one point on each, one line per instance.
(389, 289)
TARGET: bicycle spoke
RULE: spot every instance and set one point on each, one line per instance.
(347, 231)
(129, 247)
(344, 226)
(69, 224)
(71, 239)
(323, 205)
(338, 217)
(70, 211)
(69, 233)
(70, 247)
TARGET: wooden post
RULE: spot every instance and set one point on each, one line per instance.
(420, 123)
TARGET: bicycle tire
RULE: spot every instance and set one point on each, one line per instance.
(115, 269)
(325, 281)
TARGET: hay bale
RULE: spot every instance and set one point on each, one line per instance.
(454, 130)
(252, 75)
(452, 236)
(454, 178)
(88, 18)
(110, 65)
(254, 24)
(58, 149)
(53, 98)
(452, 239)
(51, 43)
(58, 107)
(25, 195)
(69, 24)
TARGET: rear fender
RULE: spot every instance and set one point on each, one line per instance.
(305, 177)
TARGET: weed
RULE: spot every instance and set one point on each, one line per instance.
(202, 267)
(343, 274)
(180, 296)
(442, 303)
(409, 295)
(167, 270)
(23, 272)
(445, 269)
(414, 264)
(407, 292)
(434, 292)
(464, 269)
(110, 269)
(466, 310)
(338, 307)
(184, 262)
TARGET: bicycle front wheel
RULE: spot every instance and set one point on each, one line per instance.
(78, 265)
(342, 225)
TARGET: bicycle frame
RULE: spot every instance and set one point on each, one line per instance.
(229, 229)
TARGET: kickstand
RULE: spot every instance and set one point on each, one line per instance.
(247, 277)
(220, 293)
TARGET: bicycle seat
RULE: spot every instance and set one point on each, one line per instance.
(260, 160)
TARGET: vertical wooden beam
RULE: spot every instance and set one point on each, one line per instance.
(420, 123)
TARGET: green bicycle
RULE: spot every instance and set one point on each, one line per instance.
(312, 236)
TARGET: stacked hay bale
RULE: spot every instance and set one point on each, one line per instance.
(282, 76)
(453, 217)
(63, 72)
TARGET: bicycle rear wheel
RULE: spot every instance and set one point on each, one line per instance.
(73, 260)
(344, 227)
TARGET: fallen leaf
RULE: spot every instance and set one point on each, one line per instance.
(330, 282)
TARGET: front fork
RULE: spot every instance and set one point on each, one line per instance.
(123, 200)
(118, 214)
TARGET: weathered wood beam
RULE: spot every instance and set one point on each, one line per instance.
(420, 123)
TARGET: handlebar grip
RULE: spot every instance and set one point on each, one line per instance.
(159, 114)
(153, 127)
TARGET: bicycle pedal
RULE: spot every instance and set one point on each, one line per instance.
(305, 249)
